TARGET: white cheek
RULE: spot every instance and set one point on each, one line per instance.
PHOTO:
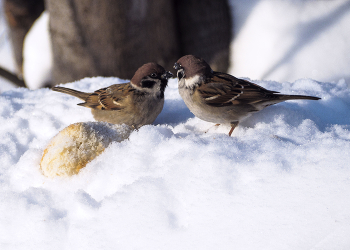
(192, 82)
(135, 86)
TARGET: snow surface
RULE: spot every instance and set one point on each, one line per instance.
(282, 181)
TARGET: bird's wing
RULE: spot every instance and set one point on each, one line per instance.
(110, 98)
(225, 90)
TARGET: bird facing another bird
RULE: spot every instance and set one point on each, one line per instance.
(135, 103)
(222, 98)
(211, 96)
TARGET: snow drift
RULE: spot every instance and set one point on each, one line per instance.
(281, 182)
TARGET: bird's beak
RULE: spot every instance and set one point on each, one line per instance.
(167, 75)
(177, 66)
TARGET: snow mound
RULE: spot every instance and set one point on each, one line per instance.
(280, 182)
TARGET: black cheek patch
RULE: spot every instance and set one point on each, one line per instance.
(180, 74)
(148, 84)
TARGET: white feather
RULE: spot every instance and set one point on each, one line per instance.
(192, 82)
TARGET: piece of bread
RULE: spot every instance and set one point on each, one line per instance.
(76, 145)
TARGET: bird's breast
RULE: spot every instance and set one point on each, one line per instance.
(224, 114)
(134, 112)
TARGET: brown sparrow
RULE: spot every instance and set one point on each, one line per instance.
(135, 103)
(221, 98)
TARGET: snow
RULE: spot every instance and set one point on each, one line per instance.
(281, 182)
(291, 39)
(6, 56)
(37, 54)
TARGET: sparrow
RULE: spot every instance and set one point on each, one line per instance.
(134, 103)
(222, 98)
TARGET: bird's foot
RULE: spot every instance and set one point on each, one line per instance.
(233, 126)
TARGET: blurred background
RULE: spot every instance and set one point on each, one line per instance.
(44, 43)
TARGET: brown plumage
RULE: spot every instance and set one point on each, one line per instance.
(102, 99)
(135, 103)
(222, 98)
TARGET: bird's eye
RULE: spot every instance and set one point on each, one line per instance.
(153, 75)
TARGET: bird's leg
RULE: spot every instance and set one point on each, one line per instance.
(233, 126)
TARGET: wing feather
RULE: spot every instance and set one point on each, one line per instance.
(111, 98)
(225, 90)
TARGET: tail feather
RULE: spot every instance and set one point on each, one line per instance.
(277, 98)
(297, 97)
(82, 95)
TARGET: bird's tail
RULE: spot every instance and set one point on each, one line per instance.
(297, 97)
(277, 98)
(76, 93)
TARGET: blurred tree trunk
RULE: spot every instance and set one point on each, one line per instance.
(20, 15)
(205, 30)
(114, 38)
(110, 38)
